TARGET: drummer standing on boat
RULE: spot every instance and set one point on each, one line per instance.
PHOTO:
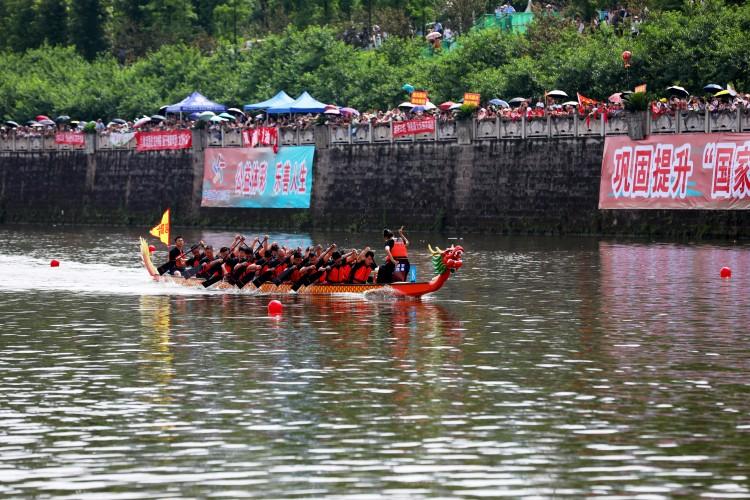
(396, 267)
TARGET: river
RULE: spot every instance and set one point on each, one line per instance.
(545, 368)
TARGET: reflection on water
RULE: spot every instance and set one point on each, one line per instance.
(545, 368)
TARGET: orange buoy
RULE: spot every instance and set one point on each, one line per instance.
(54, 263)
(275, 307)
(725, 272)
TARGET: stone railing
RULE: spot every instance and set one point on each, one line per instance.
(448, 131)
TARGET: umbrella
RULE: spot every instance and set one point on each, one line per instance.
(330, 106)
(62, 119)
(615, 98)
(42, 117)
(433, 35)
(11, 123)
(206, 115)
(723, 93)
(349, 111)
(47, 123)
(259, 116)
(162, 110)
(712, 87)
(331, 111)
(570, 103)
(30, 122)
(235, 111)
(456, 106)
(556, 93)
(119, 121)
(446, 105)
(406, 104)
(227, 116)
(516, 101)
(194, 116)
(217, 119)
(141, 122)
(499, 102)
(75, 122)
(158, 118)
(418, 109)
(676, 90)
(36, 124)
(627, 92)
(429, 106)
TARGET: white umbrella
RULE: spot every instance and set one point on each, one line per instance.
(429, 106)
(332, 111)
(141, 122)
(206, 115)
(433, 35)
(557, 93)
(406, 104)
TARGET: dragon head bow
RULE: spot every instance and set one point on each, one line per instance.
(449, 259)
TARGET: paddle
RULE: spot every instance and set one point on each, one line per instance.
(168, 265)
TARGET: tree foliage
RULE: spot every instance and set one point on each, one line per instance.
(705, 43)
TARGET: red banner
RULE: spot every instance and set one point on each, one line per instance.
(262, 136)
(412, 127)
(706, 171)
(163, 139)
(71, 138)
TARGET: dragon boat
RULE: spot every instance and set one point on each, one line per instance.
(445, 262)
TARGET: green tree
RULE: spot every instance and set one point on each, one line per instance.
(21, 25)
(87, 19)
(52, 20)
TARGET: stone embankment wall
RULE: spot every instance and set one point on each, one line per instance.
(530, 186)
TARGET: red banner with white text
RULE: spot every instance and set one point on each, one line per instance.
(163, 139)
(413, 127)
(261, 137)
(704, 171)
(71, 138)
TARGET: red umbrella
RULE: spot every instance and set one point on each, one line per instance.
(616, 98)
(446, 105)
(41, 117)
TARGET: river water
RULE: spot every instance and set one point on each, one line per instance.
(544, 368)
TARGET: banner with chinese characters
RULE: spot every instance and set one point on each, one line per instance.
(77, 139)
(258, 177)
(706, 171)
(412, 127)
(261, 136)
(163, 139)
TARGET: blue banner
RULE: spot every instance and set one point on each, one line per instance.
(258, 178)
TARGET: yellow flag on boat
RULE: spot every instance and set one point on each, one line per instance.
(161, 230)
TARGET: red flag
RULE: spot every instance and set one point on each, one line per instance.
(585, 101)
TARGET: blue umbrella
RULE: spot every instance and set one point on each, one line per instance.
(499, 102)
(417, 109)
(713, 88)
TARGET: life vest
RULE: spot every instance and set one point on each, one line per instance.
(295, 277)
(399, 249)
(345, 273)
(279, 269)
(361, 274)
(334, 275)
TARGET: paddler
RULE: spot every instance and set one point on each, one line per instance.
(363, 267)
(396, 267)
(176, 262)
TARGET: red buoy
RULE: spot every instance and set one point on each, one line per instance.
(151, 249)
(725, 272)
(54, 263)
(275, 307)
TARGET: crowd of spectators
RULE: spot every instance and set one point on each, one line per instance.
(528, 109)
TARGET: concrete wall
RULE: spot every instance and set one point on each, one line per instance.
(532, 186)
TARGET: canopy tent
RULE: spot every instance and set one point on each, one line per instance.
(280, 99)
(303, 104)
(195, 102)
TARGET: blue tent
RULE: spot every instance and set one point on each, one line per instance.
(195, 103)
(303, 104)
(280, 99)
